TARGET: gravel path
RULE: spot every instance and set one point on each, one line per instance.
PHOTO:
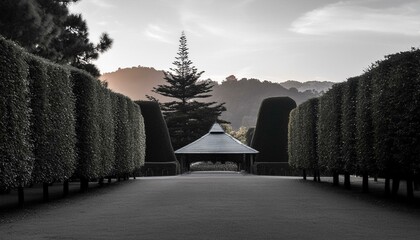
(216, 206)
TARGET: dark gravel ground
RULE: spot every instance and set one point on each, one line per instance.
(217, 205)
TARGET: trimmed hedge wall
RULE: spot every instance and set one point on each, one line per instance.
(52, 103)
(369, 125)
(58, 122)
(16, 161)
(329, 131)
(302, 132)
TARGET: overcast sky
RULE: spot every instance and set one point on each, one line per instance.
(275, 40)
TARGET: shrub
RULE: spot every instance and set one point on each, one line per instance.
(348, 125)
(107, 131)
(308, 138)
(396, 113)
(270, 136)
(87, 128)
(329, 131)
(364, 126)
(122, 142)
(16, 161)
(159, 156)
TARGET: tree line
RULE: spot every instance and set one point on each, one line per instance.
(368, 125)
(58, 122)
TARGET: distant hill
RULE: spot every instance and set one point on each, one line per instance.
(242, 97)
(135, 82)
(310, 85)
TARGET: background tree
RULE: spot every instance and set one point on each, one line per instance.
(46, 28)
(187, 119)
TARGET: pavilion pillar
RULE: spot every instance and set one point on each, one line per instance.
(251, 163)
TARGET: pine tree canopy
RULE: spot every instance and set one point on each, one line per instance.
(187, 118)
(47, 28)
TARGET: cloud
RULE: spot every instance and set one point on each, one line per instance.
(354, 16)
(158, 33)
(102, 4)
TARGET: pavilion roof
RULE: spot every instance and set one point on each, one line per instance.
(216, 142)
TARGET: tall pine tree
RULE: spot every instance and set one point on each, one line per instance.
(187, 119)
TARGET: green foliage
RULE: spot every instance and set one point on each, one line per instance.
(270, 136)
(303, 136)
(106, 131)
(158, 143)
(308, 118)
(47, 29)
(369, 124)
(87, 127)
(329, 130)
(16, 161)
(364, 126)
(139, 138)
(249, 135)
(293, 139)
(40, 119)
(62, 111)
(396, 113)
(348, 124)
(239, 134)
(186, 118)
(122, 142)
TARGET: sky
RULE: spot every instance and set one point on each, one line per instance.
(274, 40)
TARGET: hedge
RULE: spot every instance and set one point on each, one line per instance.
(55, 152)
(302, 147)
(369, 125)
(87, 127)
(58, 122)
(107, 132)
(348, 128)
(270, 136)
(396, 114)
(159, 156)
(329, 131)
(16, 161)
(366, 163)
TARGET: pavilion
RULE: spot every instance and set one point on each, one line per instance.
(216, 145)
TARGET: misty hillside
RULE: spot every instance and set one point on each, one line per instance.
(134, 82)
(242, 97)
(317, 86)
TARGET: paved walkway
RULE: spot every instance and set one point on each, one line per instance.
(216, 206)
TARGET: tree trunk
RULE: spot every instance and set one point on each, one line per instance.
(387, 186)
(45, 195)
(410, 190)
(347, 181)
(84, 184)
(395, 186)
(21, 196)
(365, 184)
(315, 175)
(101, 181)
(336, 180)
(304, 174)
(65, 188)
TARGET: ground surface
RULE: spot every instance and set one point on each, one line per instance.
(216, 206)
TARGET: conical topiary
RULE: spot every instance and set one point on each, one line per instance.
(160, 157)
(270, 136)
